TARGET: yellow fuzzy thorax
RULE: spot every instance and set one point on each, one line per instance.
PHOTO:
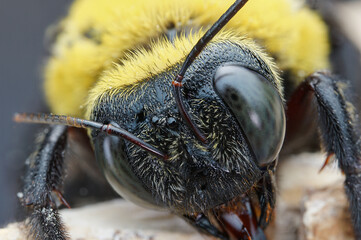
(106, 44)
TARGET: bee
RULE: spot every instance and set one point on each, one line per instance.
(185, 105)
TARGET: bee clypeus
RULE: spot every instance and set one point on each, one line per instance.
(186, 111)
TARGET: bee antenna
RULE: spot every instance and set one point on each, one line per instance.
(196, 50)
(82, 123)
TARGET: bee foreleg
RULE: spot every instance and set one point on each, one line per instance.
(43, 178)
(267, 198)
(339, 132)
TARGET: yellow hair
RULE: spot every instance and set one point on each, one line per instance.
(105, 44)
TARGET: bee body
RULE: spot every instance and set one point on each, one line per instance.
(114, 54)
(187, 124)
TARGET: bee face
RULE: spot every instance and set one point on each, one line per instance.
(197, 176)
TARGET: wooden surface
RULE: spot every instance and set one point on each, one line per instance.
(115, 220)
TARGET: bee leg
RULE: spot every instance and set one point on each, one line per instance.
(267, 198)
(44, 177)
(339, 134)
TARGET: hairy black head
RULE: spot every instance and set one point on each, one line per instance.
(197, 176)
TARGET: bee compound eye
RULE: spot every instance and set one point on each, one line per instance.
(257, 106)
(111, 155)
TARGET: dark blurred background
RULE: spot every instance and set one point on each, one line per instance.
(22, 52)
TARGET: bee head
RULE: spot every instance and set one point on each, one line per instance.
(231, 95)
